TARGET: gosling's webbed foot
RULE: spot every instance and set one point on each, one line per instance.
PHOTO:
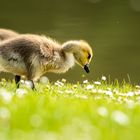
(32, 85)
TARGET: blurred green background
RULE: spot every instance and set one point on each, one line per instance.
(112, 27)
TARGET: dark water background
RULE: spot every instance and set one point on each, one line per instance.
(112, 27)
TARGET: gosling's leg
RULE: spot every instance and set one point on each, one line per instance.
(30, 76)
(32, 84)
(17, 80)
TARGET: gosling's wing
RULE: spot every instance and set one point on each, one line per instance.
(18, 47)
(25, 46)
(46, 51)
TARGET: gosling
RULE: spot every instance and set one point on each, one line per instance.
(7, 34)
(32, 56)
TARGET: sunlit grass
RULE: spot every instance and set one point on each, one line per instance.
(63, 111)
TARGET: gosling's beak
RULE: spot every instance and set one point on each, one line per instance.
(86, 68)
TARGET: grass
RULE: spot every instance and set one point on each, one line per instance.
(64, 111)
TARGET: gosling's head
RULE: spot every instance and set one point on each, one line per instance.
(81, 51)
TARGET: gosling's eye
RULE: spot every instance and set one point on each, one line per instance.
(89, 56)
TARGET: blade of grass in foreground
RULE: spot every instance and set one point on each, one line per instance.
(60, 110)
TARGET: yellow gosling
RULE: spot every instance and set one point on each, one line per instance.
(32, 56)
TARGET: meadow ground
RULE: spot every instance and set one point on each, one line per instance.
(95, 110)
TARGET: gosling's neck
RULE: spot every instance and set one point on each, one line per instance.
(68, 49)
(61, 62)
